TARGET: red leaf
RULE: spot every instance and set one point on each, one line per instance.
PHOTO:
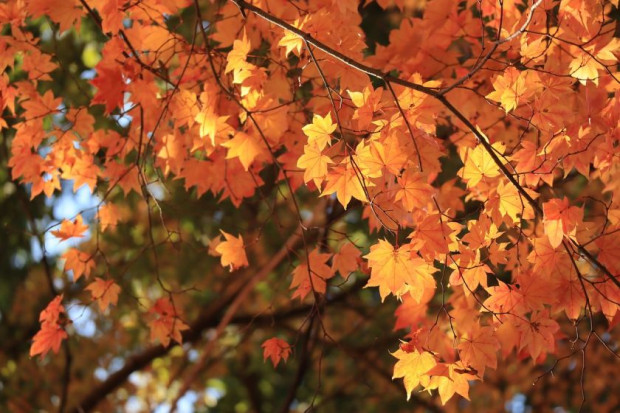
(276, 350)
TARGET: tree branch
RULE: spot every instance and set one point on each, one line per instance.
(209, 319)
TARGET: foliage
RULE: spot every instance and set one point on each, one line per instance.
(360, 193)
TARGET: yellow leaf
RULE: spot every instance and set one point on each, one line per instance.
(510, 202)
(314, 164)
(345, 181)
(584, 68)
(319, 131)
(480, 165)
(291, 41)
(395, 272)
(413, 368)
(232, 251)
(210, 124)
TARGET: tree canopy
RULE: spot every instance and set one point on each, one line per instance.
(309, 205)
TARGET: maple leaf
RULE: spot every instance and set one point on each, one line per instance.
(345, 182)
(245, 147)
(167, 325)
(504, 299)
(53, 319)
(510, 202)
(368, 101)
(236, 59)
(609, 253)
(311, 275)
(547, 258)
(112, 16)
(49, 337)
(109, 83)
(211, 125)
(511, 87)
(473, 276)
(232, 252)
(105, 292)
(291, 41)
(319, 131)
(584, 68)
(80, 262)
(394, 271)
(538, 334)
(65, 12)
(478, 349)
(276, 349)
(560, 219)
(449, 379)
(42, 105)
(570, 294)
(70, 229)
(108, 215)
(479, 165)
(413, 367)
(53, 312)
(432, 236)
(536, 290)
(371, 158)
(414, 192)
(314, 164)
(346, 260)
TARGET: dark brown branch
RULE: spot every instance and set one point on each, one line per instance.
(304, 362)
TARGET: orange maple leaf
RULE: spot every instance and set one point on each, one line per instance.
(367, 103)
(478, 349)
(511, 87)
(53, 319)
(276, 349)
(167, 325)
(395, 271)
(109, 215)
(346, 260)
(110, 86)
(236, 59)
(105, 292)
(232, 252)
(211, 125)
(538, 334)
(69, 229)
(504, 298)
(560, 219)
(49, 337)
(80, 262)
(432, 236)
(312, 275)
(245, 147)
(414, 191)
(450, 378)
